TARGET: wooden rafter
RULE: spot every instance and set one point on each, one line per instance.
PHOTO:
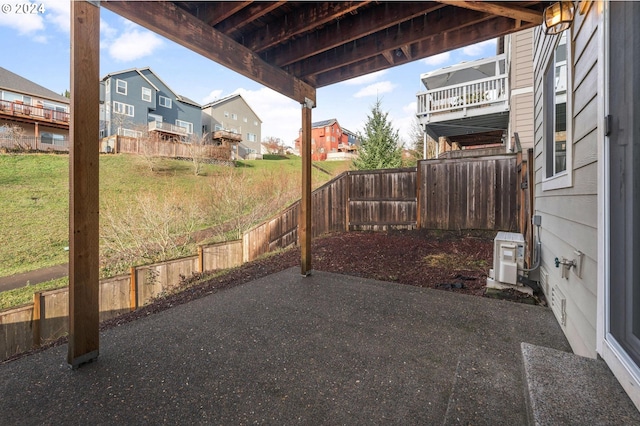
(176, 24)
(370, 21)
(247, 15)
(308, 17)
(215, 12)
(485, 30)
(506, 9)
(390, 40)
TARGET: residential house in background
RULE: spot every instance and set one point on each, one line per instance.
(482, 103)
(231, 120)
(137, 101)
(42, 114)
(329, 141)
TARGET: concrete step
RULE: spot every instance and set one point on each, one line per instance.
(568, 389)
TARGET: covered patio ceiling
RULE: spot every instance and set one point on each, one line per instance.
(295, 47)
(291, 47)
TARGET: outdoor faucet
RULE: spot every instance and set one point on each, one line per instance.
(566, 266)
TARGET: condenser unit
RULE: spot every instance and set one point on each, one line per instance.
(508, 258)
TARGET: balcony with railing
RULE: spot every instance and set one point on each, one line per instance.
(158, 126)
(32, 113)
(225, 136)
(468, 98)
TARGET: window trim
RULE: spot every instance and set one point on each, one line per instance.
(125, 107)
(168, 105)
(562, 179)
(189, 126)
(118, 81)
(149, 94)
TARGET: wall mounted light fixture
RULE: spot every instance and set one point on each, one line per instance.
(558, 17)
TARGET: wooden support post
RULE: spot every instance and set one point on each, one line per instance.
(133, 289)
(83, 182)
(419, 193)
(304, 227)
(200, 259)
(37, 318)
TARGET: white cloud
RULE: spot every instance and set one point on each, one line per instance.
(365, 79)
(58, 13)
(376, 89)
(212, 96)
(107, 34)
(438, 59)
(24, 23)
(134, 44)
(479, 48)
(281, 116)
(55, 13)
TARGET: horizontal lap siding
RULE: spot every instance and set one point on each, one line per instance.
(469, 194)
(569, 215)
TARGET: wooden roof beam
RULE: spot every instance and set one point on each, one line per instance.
(180, 26)
(349, 30)
(245, 16)
(438, 43)
(506, 9)
(303, 19)
(447, 20)
(217, 11)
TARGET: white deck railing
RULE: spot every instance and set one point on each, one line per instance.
(166, 127)
(474, 94)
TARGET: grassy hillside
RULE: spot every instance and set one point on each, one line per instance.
(134, 200)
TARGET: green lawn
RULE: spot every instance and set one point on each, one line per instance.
(35, 195)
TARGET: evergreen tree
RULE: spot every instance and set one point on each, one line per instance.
(379, 148)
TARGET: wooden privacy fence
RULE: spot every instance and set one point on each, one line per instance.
(161, 148)
(476, 193)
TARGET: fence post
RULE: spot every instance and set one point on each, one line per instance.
(419, 194)
(200, 259)
(348, 197)
(38, 316)
(133, 290)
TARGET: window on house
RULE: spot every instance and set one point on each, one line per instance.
(185, 125)
(557, 116)
(217, 127)
(146, 94)
(163, 101)
(121, 87)
(52, 138)
(251, 137)
(234, 116)
(226, 114)
(255, 123)
(120, 108)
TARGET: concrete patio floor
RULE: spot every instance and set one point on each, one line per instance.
(285, 349)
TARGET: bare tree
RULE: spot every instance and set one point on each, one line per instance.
(14, 135)
(198, 150)
(417, 140)
(274, 145)
(151, 228)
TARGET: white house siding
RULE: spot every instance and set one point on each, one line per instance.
(569, 215)
(521, 82)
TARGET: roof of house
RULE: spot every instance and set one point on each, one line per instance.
(15, 83)
(324, 123)
(180, 98)
(227, 98)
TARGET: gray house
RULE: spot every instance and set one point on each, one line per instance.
(137, 101)
(587, 144)
(232, 114)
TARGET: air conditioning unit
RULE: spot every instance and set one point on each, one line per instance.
(508, 258)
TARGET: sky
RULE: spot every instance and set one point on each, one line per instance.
(37, 47)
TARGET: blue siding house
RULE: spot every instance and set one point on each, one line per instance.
(137, 101)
